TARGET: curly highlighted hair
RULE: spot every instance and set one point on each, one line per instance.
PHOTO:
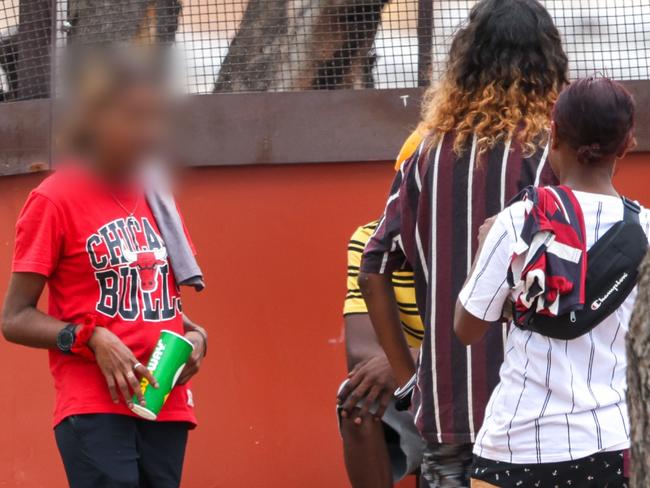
(505, 70)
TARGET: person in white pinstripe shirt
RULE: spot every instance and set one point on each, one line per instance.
(558, 416)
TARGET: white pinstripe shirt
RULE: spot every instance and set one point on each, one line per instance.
(557, 400)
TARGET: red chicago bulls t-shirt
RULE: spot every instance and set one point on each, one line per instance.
(98, 259)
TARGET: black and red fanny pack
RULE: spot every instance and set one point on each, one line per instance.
(612, 273)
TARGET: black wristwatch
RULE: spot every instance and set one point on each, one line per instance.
(66, 337)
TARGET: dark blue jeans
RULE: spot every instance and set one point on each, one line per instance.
(117, 451)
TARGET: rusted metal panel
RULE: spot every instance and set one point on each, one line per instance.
(302, 127)
(267, 128)
(317, 127)
(24, 136)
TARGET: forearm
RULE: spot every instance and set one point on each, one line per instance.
(199, 339)
(31, 327)
(360, 339)
(189, 326)
(199, 335)
(468, 329)
(358, 354)
(382, 307)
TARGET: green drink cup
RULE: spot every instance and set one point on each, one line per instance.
(166, 364)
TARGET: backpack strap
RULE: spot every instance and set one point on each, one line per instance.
(631, 211)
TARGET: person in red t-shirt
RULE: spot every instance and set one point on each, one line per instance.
(76, 234)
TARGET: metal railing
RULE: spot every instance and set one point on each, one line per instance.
(271, 46)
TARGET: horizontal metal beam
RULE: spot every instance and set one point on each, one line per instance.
(24, 136)
(298, 127)
(267, 128)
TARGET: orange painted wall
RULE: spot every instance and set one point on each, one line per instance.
(272, 244)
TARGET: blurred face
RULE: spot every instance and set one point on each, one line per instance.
(129, 128)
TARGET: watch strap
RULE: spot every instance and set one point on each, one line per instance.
(84, 333)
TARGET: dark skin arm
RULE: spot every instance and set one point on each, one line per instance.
(371, 379)
(360, 339)
(198, 337)
(378, 293)
(468, 328)
(23, 323)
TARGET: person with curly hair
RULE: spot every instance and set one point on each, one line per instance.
(486, 126)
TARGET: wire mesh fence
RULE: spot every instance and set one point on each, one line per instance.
(611, 37)
(25, 30)
(286, 45)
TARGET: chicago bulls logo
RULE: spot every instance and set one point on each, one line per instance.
(129, 260)
(148, 264)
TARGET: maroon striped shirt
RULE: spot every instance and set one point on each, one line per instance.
(436, 205)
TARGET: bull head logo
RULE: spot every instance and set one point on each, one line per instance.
(148, 265)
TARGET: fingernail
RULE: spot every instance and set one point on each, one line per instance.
(357, 421)
(143, 403)
(344, 414)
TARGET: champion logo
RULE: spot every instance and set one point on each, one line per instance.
(599, 301)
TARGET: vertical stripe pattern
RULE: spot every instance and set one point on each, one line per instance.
(557, 400)
(438, 201)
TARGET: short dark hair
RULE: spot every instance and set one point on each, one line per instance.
(595, 116)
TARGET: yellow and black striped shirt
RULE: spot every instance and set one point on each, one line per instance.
(403, 284)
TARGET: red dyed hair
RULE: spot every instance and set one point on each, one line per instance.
(595, 116)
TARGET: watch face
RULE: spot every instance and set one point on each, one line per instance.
(65, 339)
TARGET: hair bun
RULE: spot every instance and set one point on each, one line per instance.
(590, 153)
